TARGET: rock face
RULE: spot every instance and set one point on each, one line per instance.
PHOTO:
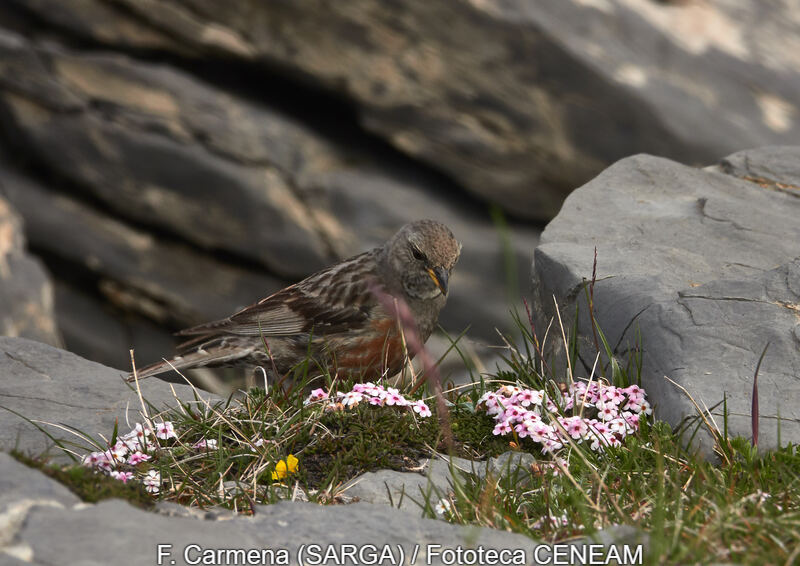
(49, 385)
(408, 491)
(26, 294)
(705, 264)
(192, 202)
(518, 101)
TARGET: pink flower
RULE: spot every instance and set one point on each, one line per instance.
(513, 414)
(501, 428)
(634, 391)
(316, 395)
(137, 435)
(531, 417)
(617, 425)
(205, 444)
(632, 420)
(352, 399)
(421, 408)
(94, 460)
(370, 388)
(132, 444)
(119, 450)
(577, 388)
(606, 411)
(613, 395)
(550, 445)
(121, 476)
(576, 427)
(531, 397)
(488, 397)
(137, 458)
(152, 481)
(165, 430)
(590, 391)
(107, 462)
(597, 443)
(508, 405)
(540, 431)
(393, 397)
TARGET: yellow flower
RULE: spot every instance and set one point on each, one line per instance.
(285, 467)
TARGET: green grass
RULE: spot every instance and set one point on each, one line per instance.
(744, 509)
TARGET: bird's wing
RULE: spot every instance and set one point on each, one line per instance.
(333, 299)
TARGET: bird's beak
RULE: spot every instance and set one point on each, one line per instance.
(439, 277)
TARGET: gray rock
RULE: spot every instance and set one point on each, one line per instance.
(704, 263)
(406, 491)
(146, 146)
(146, 141)
(772, 168)
(414, 491)
(165, 281)
(518, 101)
(511, 462)
(293, 528)
(98, 332)
(22, 489)
(411, 491)
(9, 560)
(26, 294)
(52, 533)
(44, 523)
(53, 387)
(19, 484)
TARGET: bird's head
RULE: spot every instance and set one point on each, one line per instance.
(423, 254)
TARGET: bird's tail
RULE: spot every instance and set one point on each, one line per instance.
(178, 363)
(207, 355)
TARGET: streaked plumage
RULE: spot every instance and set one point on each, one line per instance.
(333, 314)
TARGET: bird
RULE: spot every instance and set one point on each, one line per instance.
(337, 317)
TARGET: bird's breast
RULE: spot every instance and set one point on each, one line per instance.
(374, 352)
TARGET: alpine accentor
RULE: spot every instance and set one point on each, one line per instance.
(335, 315)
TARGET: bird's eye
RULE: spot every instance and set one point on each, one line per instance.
(418, 255)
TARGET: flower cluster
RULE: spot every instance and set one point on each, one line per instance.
(123, 460)
(371, 394)
(602, 415)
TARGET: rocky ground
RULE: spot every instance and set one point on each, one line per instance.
(44, 523)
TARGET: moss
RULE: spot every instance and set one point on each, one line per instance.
(474, 433)
(346, 444)
(90, 486)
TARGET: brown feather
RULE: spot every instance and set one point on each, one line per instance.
(333, 314)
